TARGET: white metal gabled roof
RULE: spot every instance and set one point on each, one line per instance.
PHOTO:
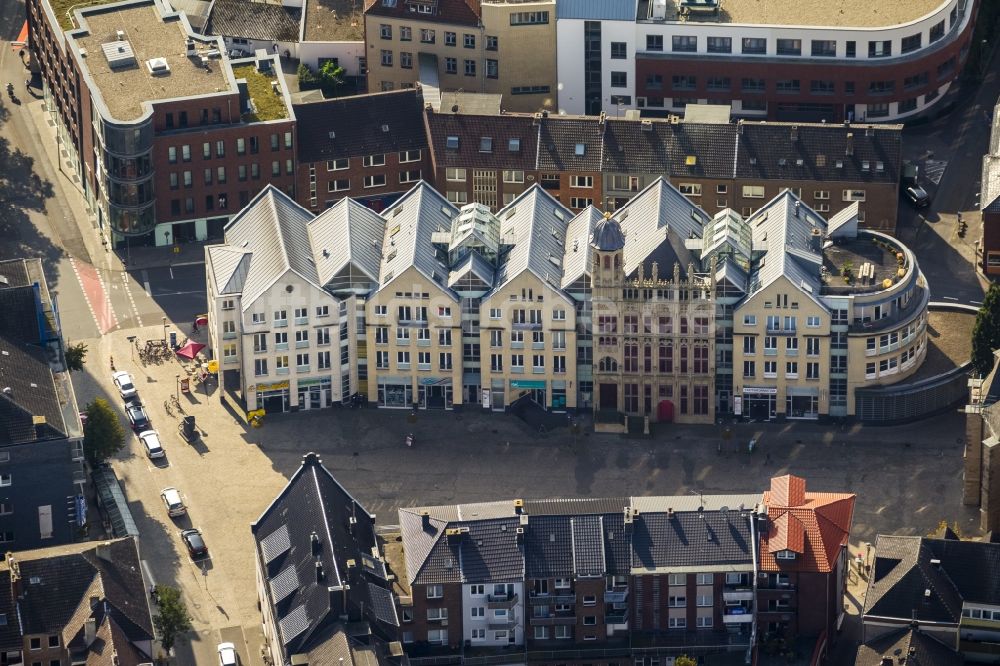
(346, 233)
(576, 259)
(273, 228)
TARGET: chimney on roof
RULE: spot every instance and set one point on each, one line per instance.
(869, 131)
(601, 119)
(795, 132)
(89, 631)
(8, 390)
(519, 532)
(797, 206)
(425, 519)
(314, 544)
(319, 572)
(103, 551)
(311, 458)
(519, 506)
(849, 148)
(456, 534)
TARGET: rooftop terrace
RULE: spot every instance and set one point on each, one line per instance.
(832, 13)
(334, 21)
(853, 256)
(124, 88)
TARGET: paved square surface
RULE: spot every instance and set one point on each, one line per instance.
(907, 478)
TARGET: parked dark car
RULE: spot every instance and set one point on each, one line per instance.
(137, 416)
(195, 544)
(918, 196)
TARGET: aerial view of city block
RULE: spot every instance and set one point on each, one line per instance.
(499, 332)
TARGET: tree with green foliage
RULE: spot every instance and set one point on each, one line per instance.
(76, 356)
(986, 332)
(685, 660)
(173, 619)
(331, 77)
(103, 434)
(307, 80)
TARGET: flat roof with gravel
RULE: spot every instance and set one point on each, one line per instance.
(334, 21)
(126, 85)
(832, 13)
(949, 342)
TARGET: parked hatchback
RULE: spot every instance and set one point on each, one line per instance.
(227, 655)
(918, 196)
(151, 443)
(172, 500)
(126, 388)
(137, 417)
(195, 544)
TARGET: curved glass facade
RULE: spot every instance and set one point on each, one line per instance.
(128, 182)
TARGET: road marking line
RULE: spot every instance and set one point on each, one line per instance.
(106, 306)
(86, 297)
(976, 302)
(180, 293)
(949, 298)
(131, 300)
(171, 269)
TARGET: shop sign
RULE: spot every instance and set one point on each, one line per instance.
(760, 390)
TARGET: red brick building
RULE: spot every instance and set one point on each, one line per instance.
(371, 148)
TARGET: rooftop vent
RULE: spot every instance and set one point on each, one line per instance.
(119, 54)
(332, 134)
(120, 35)
(647, 125)
(385, 128)
(158, 66)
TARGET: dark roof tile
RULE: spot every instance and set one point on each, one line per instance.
(444, 11)
(470, 130)
(569, 144)
(261, 21)
(786, 151)
(913, 645)
(690, 539)
(549, 547)
(361, 125)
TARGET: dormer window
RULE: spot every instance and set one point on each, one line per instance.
(785, 555)
(486, 144)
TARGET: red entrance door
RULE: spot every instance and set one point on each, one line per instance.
(665, 411)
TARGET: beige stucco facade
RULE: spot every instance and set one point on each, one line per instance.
(414, 343)
(525, 54)
(528, 341)
(512, 52)
(781, 353)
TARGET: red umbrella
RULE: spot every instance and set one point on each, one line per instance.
(190, 350)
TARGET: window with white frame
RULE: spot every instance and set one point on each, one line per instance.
(435, 591)
(581, 181)
(753, 191)
(437, 636)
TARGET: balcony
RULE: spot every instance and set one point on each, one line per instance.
(495, 601)
(301, 321)
(781, 331)
(260, 350)
(616, 596)
(737, 615)
(616, 617)
(737, 595)
(500, 624)
(280, 323)
(553, 620)
(552, 598)
(229, 335)
(281, 371)
(300, 344)
(281, 346)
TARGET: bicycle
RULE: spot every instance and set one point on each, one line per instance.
(166, 408)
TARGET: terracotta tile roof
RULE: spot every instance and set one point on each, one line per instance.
(444, 11)
(815, 528)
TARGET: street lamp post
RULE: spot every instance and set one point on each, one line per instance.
(131, 344)
(164, 330)
(177, 386)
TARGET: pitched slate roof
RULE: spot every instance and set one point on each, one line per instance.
(812, 151)
(314, 503)
(272, 227)
(261, 21)
(691, 538)
(576, 537)
(471, 129)
(59, 582)
(973, 566)
(910, 644)
(384, 122)
(904, 584)
(29, 403)
(445, 11)
(227, 267)
(560, 141)
(815, 526)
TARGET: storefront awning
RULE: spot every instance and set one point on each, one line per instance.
(527, 384)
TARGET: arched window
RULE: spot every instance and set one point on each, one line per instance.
(618, 261)
(607, 262)
(608, 364)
